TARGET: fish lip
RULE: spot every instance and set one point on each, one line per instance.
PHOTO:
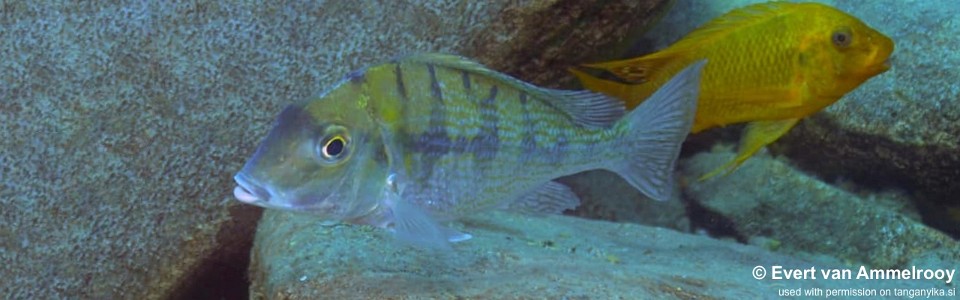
(243, 195)
(248, 192)
(877, 68)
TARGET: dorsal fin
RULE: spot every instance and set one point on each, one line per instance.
(642, 69)
(733, 20)
(583, 107)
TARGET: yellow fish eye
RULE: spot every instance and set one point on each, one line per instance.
(842, 37)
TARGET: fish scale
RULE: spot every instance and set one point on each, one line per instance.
(494, 151)
(771, 64)
(432, 137)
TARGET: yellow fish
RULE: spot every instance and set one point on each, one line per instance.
(771, 64)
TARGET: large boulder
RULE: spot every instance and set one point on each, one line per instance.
(530, 257)
(768, 203)
(122, 123)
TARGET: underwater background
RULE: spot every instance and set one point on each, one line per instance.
(124, 123)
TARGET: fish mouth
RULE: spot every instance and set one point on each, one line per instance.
(878, 67)
(247, 192)
(245, 196)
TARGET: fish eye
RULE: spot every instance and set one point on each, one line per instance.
(842, 37)
(333, 146)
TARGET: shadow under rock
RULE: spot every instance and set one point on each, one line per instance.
(223, 274)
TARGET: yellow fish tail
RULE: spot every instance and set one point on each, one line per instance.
(641, 76)
(639, 70)
(614, 89)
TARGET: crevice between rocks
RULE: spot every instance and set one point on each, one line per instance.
(223, 273)
(821, 146)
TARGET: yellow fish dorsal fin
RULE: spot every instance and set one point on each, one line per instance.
(643, 69)
(737, 19)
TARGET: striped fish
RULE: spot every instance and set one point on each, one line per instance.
(430, 138)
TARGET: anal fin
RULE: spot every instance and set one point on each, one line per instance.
(757, 135)
(551, 197)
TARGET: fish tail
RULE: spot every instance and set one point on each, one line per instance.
(654, 132)
(622, 91)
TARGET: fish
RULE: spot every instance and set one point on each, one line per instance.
(429, 138)
(771, 64)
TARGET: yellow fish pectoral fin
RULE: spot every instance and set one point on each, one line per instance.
(757, 135)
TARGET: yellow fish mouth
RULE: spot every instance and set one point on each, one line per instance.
(878, 67)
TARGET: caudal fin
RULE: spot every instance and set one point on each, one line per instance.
(655, 130)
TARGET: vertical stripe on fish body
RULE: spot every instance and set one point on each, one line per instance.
(473, 139)
(432, 136)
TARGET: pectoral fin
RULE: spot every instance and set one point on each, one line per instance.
(414, 226)
(757, 135)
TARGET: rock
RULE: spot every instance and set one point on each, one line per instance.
(605, 196)
(538, 41)
(123, 124)
(767, 202)
(525, 257)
